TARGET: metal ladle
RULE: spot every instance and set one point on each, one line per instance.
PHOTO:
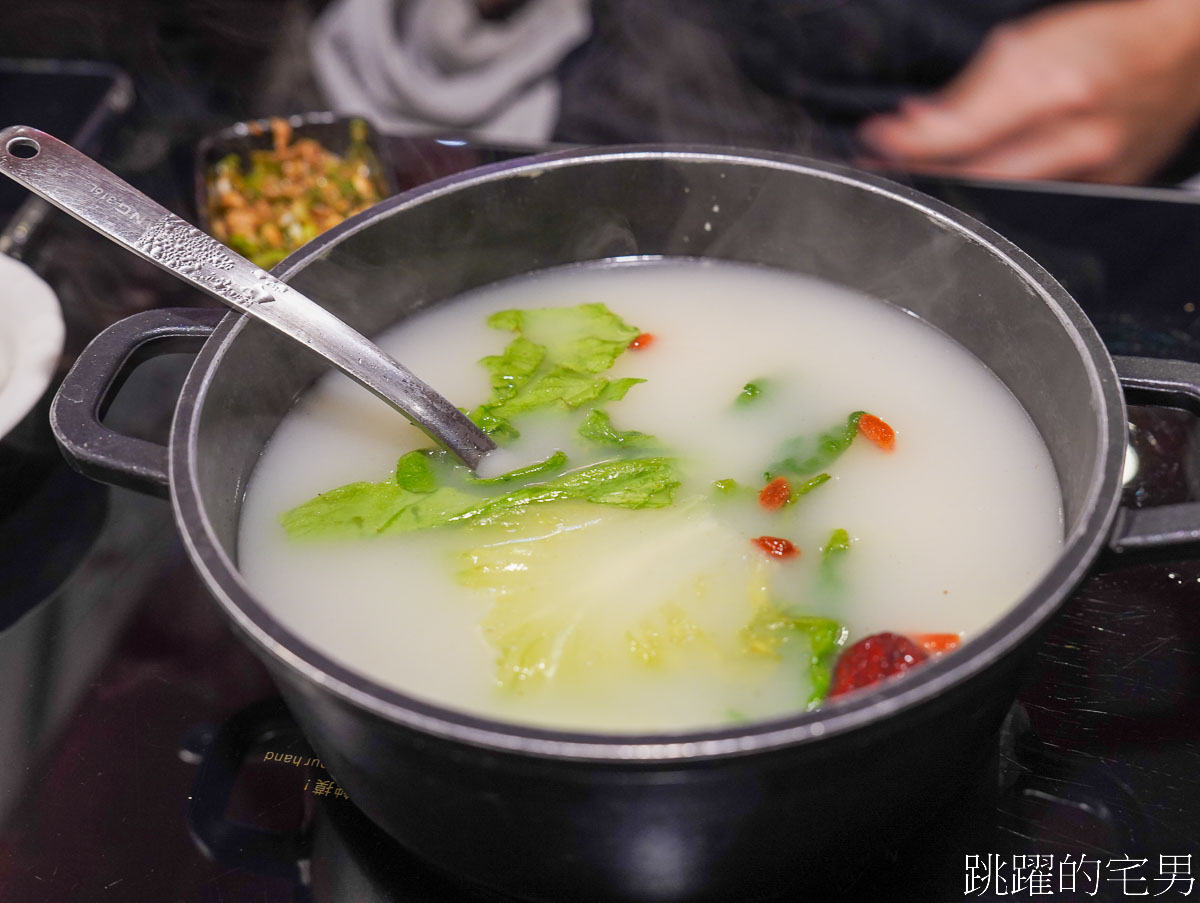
(83, 188)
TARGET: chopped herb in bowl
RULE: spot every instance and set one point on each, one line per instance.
(268, 203)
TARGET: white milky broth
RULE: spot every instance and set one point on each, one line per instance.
(642, 620)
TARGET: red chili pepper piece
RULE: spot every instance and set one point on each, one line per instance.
(937, 643)
(877, 431)
(872, 659)
(776, 547)
(641, 342)
(775, 494)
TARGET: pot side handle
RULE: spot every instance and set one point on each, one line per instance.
(1162, 383)
(97, 375)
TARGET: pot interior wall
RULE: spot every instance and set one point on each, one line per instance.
(809, 221)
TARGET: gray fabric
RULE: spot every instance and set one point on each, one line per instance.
(438, 66)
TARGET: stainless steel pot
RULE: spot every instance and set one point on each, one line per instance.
(720, 814)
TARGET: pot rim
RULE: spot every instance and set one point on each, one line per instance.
(1080, 545)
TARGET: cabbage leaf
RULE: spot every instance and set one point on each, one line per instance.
(597, 428)
(664, 590)
(556, 359)
(774, 632)
(371, 509)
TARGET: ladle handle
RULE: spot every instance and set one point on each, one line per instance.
(89, 192)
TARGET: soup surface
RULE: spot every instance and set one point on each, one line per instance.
(693, 549)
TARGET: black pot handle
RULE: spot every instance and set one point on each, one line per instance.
(88, 445)
(1163, 383)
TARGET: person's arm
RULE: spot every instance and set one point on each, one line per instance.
(1105, 90)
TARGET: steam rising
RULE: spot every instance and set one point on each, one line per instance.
(664, 71)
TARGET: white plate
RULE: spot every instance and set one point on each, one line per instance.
(31, 340)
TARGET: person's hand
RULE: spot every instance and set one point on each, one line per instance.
(1104, 90)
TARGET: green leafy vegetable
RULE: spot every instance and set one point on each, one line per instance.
(808, 486)
(357, 509)
(554, 463)
(426, 469)
(499, 429)
(725, 486)
(802, 456)
(839, 544)
(556, 358)
(588, 337)
(629, 483)
(835, 550)
(752, 392)
(597, 428)
(367, 509)
(512, 368)
(414, 472)
(773, 632)
(445, 505)
(615, 389)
